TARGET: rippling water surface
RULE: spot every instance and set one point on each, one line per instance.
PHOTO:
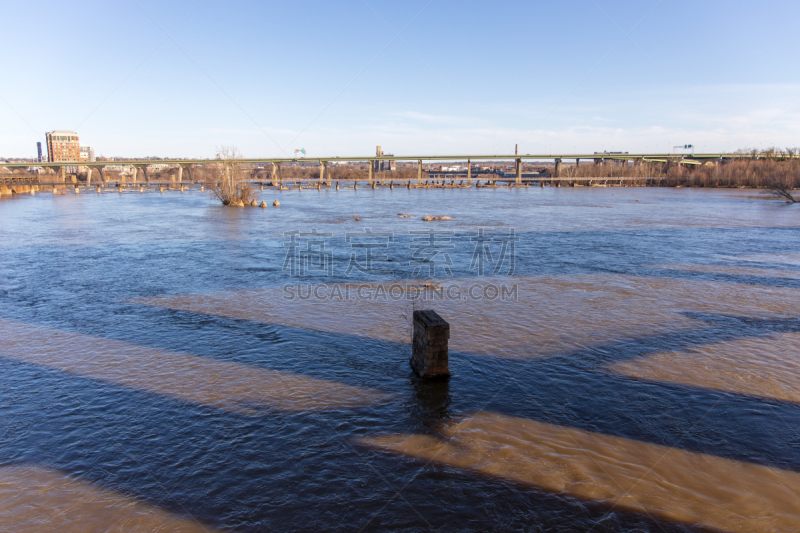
(633, 362)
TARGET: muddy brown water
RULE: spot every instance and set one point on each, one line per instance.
(622, 360)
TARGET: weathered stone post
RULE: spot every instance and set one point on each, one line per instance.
(429, 346)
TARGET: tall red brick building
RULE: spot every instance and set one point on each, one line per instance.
(62, 146)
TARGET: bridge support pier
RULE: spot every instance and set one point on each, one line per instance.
(143, 168)
(518, 180)
(323, 167)
(469, 173)
(134, 174)
(429, 355)
(371, 171)
(558, 168)
(188, 169)
(277, 175)
(419, 172)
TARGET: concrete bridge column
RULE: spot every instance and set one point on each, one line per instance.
(577, 163)
(371, 171)
(323, 167)
(558, 168)
(134, 174)
(188, 169)
(180, 174)
(419, 172)
(143, 168)
(276, 174)
(518, 180)
(469, 173)
(63, 171)
(88, 176)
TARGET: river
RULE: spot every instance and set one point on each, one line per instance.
(622, 359)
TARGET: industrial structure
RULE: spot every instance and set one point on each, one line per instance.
(381, 162)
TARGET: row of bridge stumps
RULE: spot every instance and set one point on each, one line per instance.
(12, 189)
(452, 184)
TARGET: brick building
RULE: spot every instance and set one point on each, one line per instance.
(62, 146)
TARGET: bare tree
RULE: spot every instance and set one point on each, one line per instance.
(782, 188)
(225, 179)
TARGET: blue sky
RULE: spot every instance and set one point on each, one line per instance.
(178, 79)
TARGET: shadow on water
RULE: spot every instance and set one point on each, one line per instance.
(277, 472)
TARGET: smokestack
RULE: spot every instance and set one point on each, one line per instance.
(516, 149)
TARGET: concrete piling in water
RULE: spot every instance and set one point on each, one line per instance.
(429, 355)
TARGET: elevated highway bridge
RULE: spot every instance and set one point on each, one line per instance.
(275, 164)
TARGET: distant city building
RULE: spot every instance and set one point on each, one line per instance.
(87, 153)
(62, 146)
(382, 165)
(39, 151)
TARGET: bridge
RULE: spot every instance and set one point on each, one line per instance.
(141, 165)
